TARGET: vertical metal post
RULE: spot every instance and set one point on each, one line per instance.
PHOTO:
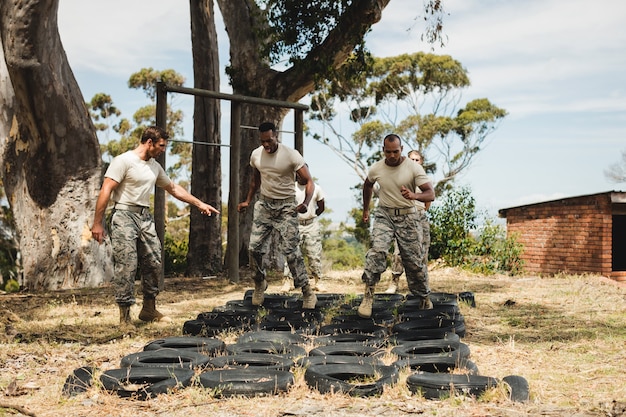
(299, 131)
(159, 194)
(233, 192)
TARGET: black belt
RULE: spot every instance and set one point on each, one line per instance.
(277, 200)
(306, 222)
(399, 211)
(134, 209)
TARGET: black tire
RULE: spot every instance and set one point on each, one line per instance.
(273, 300)
(425, 334)
(285, 349)
(209, 346)
(78, 381)
(467, 297)
(354, 327)
(456, 326)
(247, 382)
(335, 377)
(236, 306)
(428, 314)
(201, 328)
(301, 327)
(436, 386)
(412, 306)
(153, 381)
(165, 358)
(272, 336)
(365, 339)
(437, 365)
(251, 360)
(279, 314)
(437, 298)
(346, 349)
(228, 318)
(339, 359)
(519, 390)
(435, 349)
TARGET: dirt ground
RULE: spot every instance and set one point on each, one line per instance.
(566, 335)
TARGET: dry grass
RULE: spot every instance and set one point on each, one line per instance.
(566, 335)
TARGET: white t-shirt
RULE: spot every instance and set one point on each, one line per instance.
(136, 178)
(278, 170)
(391, 179)
(318, 195)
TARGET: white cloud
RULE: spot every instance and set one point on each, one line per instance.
(117, 37)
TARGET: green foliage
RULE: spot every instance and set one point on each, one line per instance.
(104, 114)
(344, 253)
(494, 251)
(175, 255)
(176, 242)
(452, 219)
(414, 95)
(455, 237)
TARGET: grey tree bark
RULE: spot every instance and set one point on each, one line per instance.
(205, 243)
(49, 152)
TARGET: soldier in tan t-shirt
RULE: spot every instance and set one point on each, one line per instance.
(274, 166)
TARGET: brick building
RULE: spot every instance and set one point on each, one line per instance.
(584, 234)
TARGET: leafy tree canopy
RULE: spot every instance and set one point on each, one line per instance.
(414, 95)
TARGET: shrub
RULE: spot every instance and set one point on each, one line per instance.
(455, 237)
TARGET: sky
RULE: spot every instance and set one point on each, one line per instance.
(558, 67)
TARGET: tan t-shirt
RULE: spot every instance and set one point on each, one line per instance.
(136, 178)
(278, 170)
(391, 179)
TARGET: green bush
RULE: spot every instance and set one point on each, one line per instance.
(455, 237)
(175, 255)
(452, 220)
(343, 251)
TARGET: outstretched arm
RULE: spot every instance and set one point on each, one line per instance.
(185, 196)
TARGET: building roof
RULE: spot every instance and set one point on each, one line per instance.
(616, 197)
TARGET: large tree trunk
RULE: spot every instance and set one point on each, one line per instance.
(205, 242)
(50, 156)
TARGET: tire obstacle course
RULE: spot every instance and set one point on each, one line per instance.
(346, 357)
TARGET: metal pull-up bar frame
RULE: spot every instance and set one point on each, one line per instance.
(232, 246)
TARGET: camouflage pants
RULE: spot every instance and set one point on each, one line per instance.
(135, 242)
(311, 248)
(406, 229)
(396, 264)
(279, 215)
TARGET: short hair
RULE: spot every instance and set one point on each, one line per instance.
(392, 137)
(155, 133)
(417, 152)
(265, 126)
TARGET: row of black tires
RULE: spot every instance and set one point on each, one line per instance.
(392, 313)
(427, 342)
(259, 364)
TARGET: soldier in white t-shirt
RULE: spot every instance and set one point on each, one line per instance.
(310, 236)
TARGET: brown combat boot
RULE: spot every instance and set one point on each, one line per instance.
(426, 304)
(365, 309)
(309, 299)
(149, 312)
(125, 322)
(395, 283)
(258, 296)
